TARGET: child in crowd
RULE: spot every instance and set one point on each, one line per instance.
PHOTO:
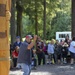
(50, 51)
(15, 56)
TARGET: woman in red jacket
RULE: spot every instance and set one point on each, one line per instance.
(15, 55)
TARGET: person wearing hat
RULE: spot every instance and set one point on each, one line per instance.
(25, 54)
(17, 43)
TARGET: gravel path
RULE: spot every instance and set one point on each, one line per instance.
(49, 70)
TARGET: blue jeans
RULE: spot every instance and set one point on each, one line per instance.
(25, 68)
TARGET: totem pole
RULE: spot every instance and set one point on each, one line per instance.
(5, 6)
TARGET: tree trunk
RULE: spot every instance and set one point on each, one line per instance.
(36, 20)
(73, 18)
(19, 19)
(13, 24)
(44, 21)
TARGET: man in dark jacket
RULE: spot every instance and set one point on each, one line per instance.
(17, 43)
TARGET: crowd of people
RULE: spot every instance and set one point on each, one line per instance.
(34, 51)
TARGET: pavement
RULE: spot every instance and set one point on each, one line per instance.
(49, 70)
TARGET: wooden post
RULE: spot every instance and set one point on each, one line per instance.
(73, 18)
(5, 6)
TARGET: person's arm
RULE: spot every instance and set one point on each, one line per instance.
(32, 43)
(73, 44)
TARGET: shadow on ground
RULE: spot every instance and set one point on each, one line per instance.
(48, 70)
(54, 70)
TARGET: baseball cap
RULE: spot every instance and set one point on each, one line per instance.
(28, 36)
(17, 37)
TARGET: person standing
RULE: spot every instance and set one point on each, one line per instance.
(50, 51)
(25, 55)
(15, 56)
(34, 60)
(40, 52)
(17, 43)
(72, 50)
(57, 52)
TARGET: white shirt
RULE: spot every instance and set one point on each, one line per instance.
(71, 48)
(50, 48)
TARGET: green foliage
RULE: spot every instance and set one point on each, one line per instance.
(58, 16)
(27, 26)
(62, 20)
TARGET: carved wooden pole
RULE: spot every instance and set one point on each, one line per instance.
(5, 6)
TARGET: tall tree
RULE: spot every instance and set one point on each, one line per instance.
(52, 9)
(73, 18)
(19, 8)
(44, 21)
(36, 19)
(13, 24)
